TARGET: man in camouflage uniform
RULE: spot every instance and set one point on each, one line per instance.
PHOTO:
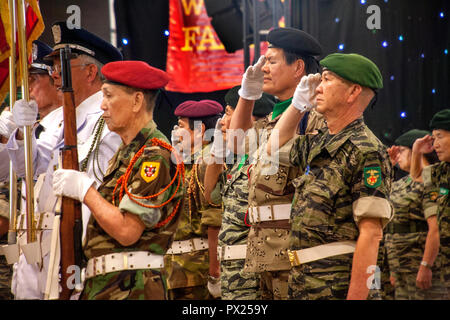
(290, 56)
(5, 269)
(412, 235)
(135, 210)
(191, 262)
(436, 187)
(236, 284)
(341, 195)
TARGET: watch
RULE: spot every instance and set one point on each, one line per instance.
(425, 264)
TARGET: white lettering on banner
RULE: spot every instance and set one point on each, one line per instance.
(73, 21)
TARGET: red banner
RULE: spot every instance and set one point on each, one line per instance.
(196, 58)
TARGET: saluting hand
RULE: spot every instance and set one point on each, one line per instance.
(423, 145)
(394, 153)
(305, 94)
(253, 81)
(25, 112)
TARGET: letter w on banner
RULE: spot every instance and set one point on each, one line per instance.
(34, 29)
(196, 58)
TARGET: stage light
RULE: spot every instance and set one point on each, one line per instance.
(441, 14)
(166, 33)
(433, 91)
(125, 41)
(422, 55)
(446, 51)
(403, 115)
(363, 1)
(384, 44)
(400, 38)
(337, 20)
(341, 46)
(392, 78)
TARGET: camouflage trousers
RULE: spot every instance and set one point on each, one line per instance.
(444, 263)
(406, 289)
(149, 284)
(190, 293)
(274, 285)
(237, 284)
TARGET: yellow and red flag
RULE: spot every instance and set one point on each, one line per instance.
(34, 28)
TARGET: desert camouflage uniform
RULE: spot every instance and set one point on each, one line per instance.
(405, 237)
(145, 283)
(268, 240)
(236, 284)
(436, 180)
(339, 175)
(5, 269)
(187, 273)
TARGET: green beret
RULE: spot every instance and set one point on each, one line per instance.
(441, 120)
(407, 139)
(262, 108)
(354, 68)
(294, 41)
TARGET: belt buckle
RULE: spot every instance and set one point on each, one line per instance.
(293, 258)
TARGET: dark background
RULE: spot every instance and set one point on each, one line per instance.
(415, 70)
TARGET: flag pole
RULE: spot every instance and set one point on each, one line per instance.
(12, 233)
(23, 58)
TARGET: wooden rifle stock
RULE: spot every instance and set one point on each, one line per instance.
(71, 225)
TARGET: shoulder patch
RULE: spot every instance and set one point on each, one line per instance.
(372, 177)
(150, 171)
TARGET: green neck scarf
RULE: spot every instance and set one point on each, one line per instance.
(280, 107)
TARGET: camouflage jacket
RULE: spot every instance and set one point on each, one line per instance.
(271, 184)
(5, 269)
(235, 203)
(344, 178)
(191, 269)
(405, 250)
(150, 174)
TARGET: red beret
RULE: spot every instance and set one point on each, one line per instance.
(198, 109)
(135, 74)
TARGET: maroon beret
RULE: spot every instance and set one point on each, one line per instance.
(198, 109)
(135, 74)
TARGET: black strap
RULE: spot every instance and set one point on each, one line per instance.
(304, 124)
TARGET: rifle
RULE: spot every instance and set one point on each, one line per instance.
(71, 224)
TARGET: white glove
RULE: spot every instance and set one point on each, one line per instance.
(71, 183)
(305, 93)
(218, 149)
(25, 113)
(253, 81)
(175, 137)
(7, 124)
(214, 287)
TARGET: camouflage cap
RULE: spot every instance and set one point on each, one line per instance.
(354, 68)
(441, 120)
(407, 139)
(262, 107)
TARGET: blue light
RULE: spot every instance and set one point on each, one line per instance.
(337, 20)
(422, 55)
(400, 38)
(363, 1)
(433, 91)
(166, 33)
(384, 44)
(446, 51)
(125, 41)
(403, 114)
(341, 46)
(441, 14)
(392, 78)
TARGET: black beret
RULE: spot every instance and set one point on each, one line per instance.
(262, 107)
(294, 41)
(441, 120)
(38, 64)
(82, 41)
(407, 139)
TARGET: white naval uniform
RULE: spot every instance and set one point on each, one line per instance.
(45, 160)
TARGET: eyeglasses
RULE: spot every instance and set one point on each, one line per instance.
(56, 69)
